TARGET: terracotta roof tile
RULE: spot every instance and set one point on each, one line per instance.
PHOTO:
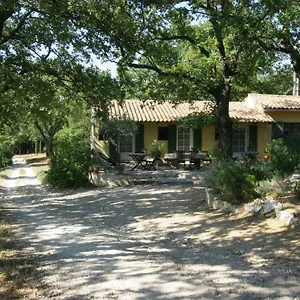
(151, 111)
(270, 102)
(240, 111)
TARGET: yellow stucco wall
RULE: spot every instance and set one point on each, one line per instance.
(102, 146)
(264, 134)
(208, 138)
(151, 134)
(285, 116)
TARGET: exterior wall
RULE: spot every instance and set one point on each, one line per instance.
(208, 138)
(151, 134)
(264, 135)
(99, 146)
(285, 116)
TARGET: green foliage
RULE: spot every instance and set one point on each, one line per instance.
(216, 154)
(261, 171)
(232, 182)
(285, 155)
(118, 125)
(7, 141)
(6, 152)
(275, 80)
(71, 160)
(200, 120)
(156, 150)
(274, 187)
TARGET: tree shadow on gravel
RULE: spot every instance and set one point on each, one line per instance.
(155, 242)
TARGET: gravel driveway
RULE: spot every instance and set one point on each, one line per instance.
(150, 242)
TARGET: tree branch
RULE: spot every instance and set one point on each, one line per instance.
(18, 27)
(166, 74)
(184, 38)
(40, 129)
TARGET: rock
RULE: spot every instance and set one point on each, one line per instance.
(294, 177)
(259, 201)
(218, 204)
(252, 208)
(286, 218)
(271, 205)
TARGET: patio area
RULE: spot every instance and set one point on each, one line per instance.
(161, 175)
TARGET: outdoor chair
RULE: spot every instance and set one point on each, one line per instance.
(194, 159)
(179, 157)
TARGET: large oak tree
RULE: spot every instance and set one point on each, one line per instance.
(193, 47)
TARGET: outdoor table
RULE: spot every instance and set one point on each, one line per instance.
(141, 162)
(249, 157)
(171, 159)
(188, 156)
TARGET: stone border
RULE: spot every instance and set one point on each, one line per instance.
(215, 203)
(258, 206)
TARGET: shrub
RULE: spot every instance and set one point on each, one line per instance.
(216, 154)
(6, 152)
(285, 155)
(261, 171)
(156, 150)
(70, 162)
(233, 182)
(274, 187)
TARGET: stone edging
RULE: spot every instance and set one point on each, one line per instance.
(258, 206)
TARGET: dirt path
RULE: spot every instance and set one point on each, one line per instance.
(151, 242)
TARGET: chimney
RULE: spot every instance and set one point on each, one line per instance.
(296, 85)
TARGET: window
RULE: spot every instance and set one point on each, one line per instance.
(183, 139)
(290, 129)
(280, 129)
(239, 139)
(126, 143)
(163, 133)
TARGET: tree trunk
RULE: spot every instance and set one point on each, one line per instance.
(224, 123)
(49, 146)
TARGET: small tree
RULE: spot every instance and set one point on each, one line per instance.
(284, 152)
(70, 160)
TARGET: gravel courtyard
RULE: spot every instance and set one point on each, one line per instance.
(149, 242)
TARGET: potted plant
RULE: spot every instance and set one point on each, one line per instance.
(156, 150)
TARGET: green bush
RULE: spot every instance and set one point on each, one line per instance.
(70, 162)
(216, 154)
(156, 150)
(6, 152)
(233, 182)
(274, 187)
(261, 171)
(285, 154)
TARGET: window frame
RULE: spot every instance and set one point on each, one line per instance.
(191, 139)
(124, 155)
(246, 143)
